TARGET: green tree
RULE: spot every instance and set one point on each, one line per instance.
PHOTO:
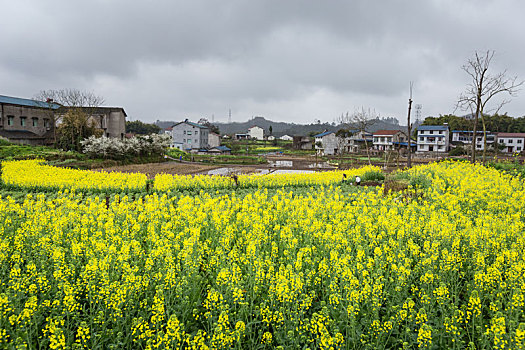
(141, 128)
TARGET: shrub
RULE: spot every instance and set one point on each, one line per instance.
(373, 176)
(113, 148)
(458, 151)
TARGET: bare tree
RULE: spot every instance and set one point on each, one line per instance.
(71, 98)
(409, 148)
(77, 105)
(362, 120)
(482, 88)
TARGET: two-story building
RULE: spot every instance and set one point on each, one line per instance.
(433, 138)
(25, 121)
(256, 133)
(464, 137)
(191, 136)
(384, 140)
(511, 142)
(327, 143)
(111, 121)
(358, 140)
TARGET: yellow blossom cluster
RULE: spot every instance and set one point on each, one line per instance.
(319, 267)
(34, 173)
(166, 182)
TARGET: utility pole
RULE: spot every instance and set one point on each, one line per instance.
(409, 154)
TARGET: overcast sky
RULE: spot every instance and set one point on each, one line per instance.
(285, 60)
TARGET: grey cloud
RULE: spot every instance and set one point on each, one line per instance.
(287, 59)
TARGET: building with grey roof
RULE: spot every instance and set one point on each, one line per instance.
(191, 135)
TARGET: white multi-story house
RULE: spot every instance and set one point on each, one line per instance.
(512, 141)
(191, 136)
(385, 140)
(465, 137)
(433, 138)
(327, 143)
(256, 133)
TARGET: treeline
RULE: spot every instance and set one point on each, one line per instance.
(494, 123)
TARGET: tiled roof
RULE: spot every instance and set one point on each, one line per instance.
(511, 134)
(386, 132)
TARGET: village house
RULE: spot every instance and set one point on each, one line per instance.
(386, 140)
(356, 141)
(25, 121)
(327, 143)
(464, 137)
(302, 142)
(191, 135)
(511, 141)
(221, 150)
(433, 138)
(214, 140)
(111, 121)
(286, 138)
(256, 133)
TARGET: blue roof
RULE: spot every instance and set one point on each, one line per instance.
(26, 102)
(324, 134)
(223, 148)
(405, 144)
(470, 131)
(432, 127)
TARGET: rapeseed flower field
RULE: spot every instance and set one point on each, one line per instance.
(322, 266)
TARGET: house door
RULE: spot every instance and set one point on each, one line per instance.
(509, 149)
(431, 148)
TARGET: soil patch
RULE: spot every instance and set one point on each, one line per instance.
(152, 169)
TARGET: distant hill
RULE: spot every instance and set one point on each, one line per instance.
(282, 128)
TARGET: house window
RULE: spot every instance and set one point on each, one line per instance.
(501, 141)
(519, 141)
(189, 141)
(431, 132)
(35, 121)
(188, 133)
(196, 141)
(23, 121)
(196, 132)
(10, 120)
(46, 123)
(510, 141)
(184, 132)
(518, 148)
(421, 139)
